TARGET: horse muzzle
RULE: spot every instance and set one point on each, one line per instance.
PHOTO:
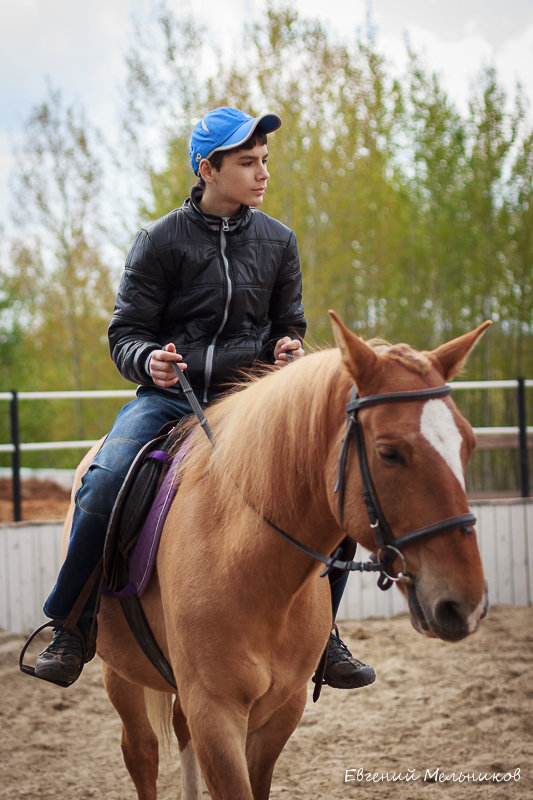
(448, 616)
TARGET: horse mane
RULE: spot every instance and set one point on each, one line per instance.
(274, 429)
(270, 432)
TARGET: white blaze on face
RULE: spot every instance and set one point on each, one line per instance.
(437, 425)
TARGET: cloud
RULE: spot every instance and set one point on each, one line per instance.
(514, 62)
(75, 45)
(492, 21)
(457, 63)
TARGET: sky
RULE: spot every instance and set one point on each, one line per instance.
(80, 47)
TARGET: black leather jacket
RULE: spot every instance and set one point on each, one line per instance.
(223, 290)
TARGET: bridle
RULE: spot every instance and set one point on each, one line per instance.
(389, 547)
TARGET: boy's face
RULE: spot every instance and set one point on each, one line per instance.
(241, 180)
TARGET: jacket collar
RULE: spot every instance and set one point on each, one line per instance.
(214, 223)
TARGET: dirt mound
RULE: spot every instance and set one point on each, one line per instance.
(41, 501)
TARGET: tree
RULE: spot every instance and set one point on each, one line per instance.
(413, 221)
(163, 93)
(59, 283)
(381, 177)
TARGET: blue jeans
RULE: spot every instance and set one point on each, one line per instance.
(337, 590)
(337, 579)
(136, 423)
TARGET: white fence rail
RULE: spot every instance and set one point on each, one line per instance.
(30, 555)
(488, 438)
(83, 444)
(520, 436)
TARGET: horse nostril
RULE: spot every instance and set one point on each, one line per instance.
(450, 618)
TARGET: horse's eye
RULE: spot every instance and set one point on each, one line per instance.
(390, 454)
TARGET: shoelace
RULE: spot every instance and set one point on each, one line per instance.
(339, 652)
(65, 642)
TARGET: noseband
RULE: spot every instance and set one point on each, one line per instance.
(389, 547)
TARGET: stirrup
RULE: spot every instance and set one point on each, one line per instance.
(28, 669)
(70, 624)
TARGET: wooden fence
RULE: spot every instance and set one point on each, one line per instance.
(30, 554)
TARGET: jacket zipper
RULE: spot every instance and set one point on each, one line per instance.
(210, 353)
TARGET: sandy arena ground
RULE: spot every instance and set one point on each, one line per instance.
(436, 710)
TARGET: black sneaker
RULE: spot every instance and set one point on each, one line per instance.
(66, 654)
(343, 671)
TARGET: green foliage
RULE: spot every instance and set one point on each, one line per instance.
(414, 221)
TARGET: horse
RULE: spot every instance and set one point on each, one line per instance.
(241, 614)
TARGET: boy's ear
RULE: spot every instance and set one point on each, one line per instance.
(205, 170)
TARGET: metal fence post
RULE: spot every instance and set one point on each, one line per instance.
(15, 456)
(522, 437)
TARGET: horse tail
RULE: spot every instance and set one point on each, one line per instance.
(159, 709)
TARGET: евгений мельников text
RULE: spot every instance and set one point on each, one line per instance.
(434, 775)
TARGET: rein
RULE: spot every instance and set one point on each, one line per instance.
(389, 547)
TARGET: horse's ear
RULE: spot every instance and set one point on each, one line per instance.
(358, 358)
(450, 357)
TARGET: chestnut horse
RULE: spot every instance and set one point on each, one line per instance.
(240, 613)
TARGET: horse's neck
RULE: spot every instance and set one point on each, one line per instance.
(275, 456)
(300, 508)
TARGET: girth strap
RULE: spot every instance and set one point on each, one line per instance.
(140, 627)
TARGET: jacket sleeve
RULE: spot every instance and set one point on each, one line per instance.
(286, 307)
(134, 329)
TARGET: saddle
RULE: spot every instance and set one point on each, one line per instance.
(134, 531)
(135, 515)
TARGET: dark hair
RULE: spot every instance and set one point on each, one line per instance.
(258, 137)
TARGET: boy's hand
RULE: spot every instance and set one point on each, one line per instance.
(161, 369)
(286, 349)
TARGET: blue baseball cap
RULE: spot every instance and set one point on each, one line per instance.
(225, 128)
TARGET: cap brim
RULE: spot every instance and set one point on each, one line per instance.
(267, 123)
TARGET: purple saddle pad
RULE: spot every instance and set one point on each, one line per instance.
(143, 554)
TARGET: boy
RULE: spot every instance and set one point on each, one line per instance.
(213, 287)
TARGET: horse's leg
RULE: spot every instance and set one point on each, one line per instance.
(191, 777)
(265, 744)
(139, 742)
(218, 731)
